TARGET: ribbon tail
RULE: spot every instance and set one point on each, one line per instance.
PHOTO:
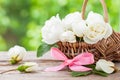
(57, 54)
(84, 59)
(56, 68)
(79, 68)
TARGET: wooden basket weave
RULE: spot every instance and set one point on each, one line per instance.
(108, 49)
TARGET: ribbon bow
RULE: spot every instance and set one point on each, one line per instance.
(75, 64)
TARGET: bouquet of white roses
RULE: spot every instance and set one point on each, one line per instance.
(91, 30)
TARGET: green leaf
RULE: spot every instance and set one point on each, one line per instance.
(43, 48)
(91, 66)
(100, 73)
(77, 74)
(22, 68)
(96, 71)
(12, 61)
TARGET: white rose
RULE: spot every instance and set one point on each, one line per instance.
(68, 36)
(94, 18)
(95, 32)
(97, 29)
(106, 66)
(109, 31)
(79, 28)
(28, 67)
(16, 54)
(52, 30)
(70, 19)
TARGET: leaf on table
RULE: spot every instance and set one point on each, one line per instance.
(77, 74)
(100, 73)
(22, 68)
(91, 66)
(96, 71)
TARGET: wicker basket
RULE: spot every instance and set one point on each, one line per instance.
(108, 49)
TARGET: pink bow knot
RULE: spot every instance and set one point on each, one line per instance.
(75, 64)
(69, 61)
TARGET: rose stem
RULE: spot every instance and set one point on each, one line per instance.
(4, 64)
(8, 71)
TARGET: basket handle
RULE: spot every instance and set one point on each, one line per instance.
(104, 9)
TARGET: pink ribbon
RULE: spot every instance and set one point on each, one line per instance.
(75, 64)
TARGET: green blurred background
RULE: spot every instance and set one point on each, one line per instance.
(22, 20)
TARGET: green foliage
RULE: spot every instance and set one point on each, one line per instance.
(22, 68)
(93, 71)
(77, 74)
(100, 73)
(43, 48)
(22, 20)
(12, 61)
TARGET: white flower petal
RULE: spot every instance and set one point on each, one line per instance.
(110, 63)
(87, 40)
(17, 52)
(98, 66)
(109, 31)
(79, 28)
(52, 30)
(70, 19)
(94, 17)
(105, 66)
(68, 36)
(32, 66)
(97, 28)
(94, 33)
